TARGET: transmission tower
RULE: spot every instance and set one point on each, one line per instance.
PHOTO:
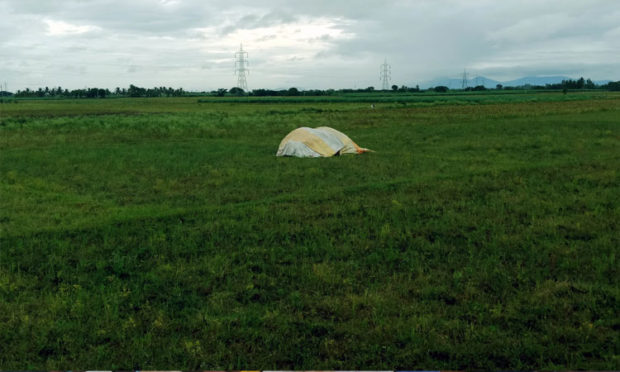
(385, 74)
(241, 68)
(464, 82)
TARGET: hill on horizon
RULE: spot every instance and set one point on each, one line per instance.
(454, 83)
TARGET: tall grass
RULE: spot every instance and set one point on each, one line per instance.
(166, 234)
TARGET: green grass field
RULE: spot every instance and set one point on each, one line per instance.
(164, 233)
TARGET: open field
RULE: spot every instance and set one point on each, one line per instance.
(164, 233)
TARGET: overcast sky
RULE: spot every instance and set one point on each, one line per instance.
(307, 44)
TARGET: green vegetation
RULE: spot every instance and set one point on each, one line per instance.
(430, 98)
(164, 233)
(579, 85)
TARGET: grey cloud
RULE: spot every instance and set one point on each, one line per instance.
(267, 37)
(139, 16)
(252, 21)
(421, 39)
(322, 38)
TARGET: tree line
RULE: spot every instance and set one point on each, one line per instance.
(132, 91)
(580, 83)
(135, 91)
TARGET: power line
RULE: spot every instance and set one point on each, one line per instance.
(385, 74)
(241, 64)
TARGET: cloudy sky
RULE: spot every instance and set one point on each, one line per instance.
(307, 44)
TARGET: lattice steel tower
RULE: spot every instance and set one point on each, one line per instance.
(385, 74)
(464, 81)
(241, 68)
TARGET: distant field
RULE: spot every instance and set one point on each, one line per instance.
(164, 233)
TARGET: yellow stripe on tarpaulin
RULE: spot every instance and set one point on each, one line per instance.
(312, 141)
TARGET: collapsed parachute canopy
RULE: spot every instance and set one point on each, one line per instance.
(307, 142)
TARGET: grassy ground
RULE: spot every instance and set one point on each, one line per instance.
(164, 233)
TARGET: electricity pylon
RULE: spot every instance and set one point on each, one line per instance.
(385, 74)
(464, 82)
(241, 68)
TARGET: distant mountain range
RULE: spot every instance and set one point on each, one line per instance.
(491, 83)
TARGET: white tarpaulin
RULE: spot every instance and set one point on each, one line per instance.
(316, 142)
